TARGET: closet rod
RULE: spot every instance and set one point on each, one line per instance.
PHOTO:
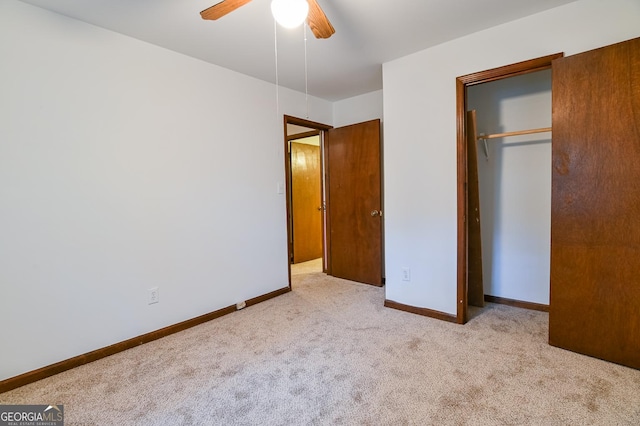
(521, 132)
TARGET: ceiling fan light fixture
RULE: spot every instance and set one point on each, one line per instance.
(290, 13)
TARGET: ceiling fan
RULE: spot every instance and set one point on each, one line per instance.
(316, 19)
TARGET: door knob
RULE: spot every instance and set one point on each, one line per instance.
(375, 212)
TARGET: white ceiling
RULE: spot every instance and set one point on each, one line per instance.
(368, 33)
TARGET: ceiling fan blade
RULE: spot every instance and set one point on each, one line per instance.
(218, 10)
(318, 21)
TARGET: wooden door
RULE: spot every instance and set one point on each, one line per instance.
(355, 202)
(595, 219)
(306, 202)
(475, 285)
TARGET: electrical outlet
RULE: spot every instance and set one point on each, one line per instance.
(406, 274)
(153, 295)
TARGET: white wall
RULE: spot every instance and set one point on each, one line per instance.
(124, 166)
(420, 134)
(358, 109)
(515, 185)
(311, 140)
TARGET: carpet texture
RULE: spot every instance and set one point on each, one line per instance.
(330, 353)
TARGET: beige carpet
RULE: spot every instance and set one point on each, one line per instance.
(309, 267)
(330, 353)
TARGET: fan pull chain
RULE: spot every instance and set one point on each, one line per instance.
(306, 79)
(275, 44)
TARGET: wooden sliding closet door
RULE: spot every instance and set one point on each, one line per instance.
(595, 220)
(475, 287)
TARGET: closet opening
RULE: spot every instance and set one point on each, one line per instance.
(504, 186)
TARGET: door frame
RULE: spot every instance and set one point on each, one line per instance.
(525, 67)
(322, 129)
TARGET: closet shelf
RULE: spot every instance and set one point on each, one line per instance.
(520, 132)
